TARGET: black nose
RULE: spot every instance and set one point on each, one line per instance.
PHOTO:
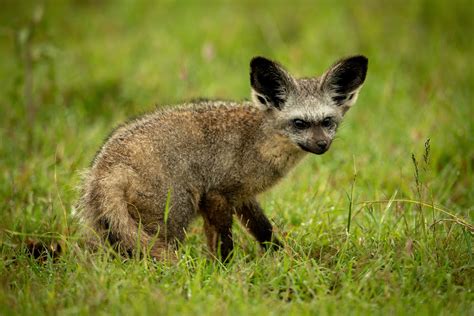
(322, 144)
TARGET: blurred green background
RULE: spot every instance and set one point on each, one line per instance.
(72, 70)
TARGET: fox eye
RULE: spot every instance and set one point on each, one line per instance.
(327, 122)
(300, 124)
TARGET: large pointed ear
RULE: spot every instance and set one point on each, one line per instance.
(271, 83)
(344, 79)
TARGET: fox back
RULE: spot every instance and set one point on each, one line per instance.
(155, 174)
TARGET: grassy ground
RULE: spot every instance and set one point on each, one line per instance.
(368, 228)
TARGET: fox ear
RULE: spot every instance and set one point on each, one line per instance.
(271, 83)
(344, 79)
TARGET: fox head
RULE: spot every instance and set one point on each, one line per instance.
(307, 110)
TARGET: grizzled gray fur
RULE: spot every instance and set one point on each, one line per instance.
(212, 159)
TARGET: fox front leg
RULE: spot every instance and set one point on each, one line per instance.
(252, 217)
(217, 214)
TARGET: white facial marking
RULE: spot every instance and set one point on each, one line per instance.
(310, 109)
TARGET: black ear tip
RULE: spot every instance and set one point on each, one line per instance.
(260, 61)
(358, 60)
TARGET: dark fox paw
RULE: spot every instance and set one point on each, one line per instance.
(273, 245)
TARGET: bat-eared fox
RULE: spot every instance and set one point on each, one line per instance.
(157, 173)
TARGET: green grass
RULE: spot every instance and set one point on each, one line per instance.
(409, 248)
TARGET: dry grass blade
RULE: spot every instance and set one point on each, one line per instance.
(455, 218)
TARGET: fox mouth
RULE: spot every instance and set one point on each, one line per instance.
(317, 151)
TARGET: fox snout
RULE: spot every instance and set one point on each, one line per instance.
(317, 147)
(322, 146)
